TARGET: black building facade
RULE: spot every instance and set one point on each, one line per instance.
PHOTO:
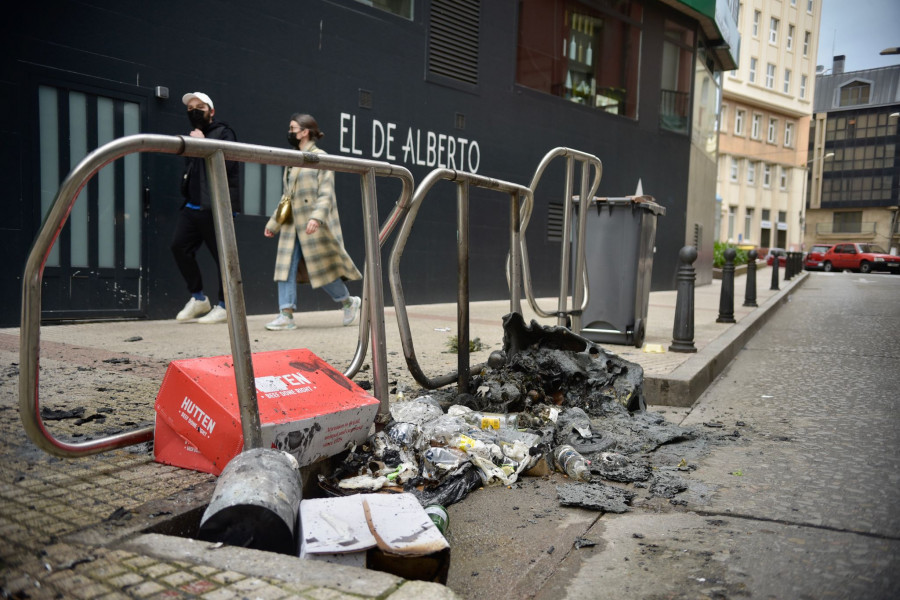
(488, 87)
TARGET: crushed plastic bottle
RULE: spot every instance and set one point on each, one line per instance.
(570, 462)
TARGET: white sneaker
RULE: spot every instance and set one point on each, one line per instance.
(216, 315)
(351, 310)
(193, 309)
(282, 322)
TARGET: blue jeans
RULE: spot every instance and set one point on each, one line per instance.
(287, 290)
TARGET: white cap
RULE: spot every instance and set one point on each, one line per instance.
(199, 96)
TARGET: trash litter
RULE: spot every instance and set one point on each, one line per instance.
(390, 533)
(571, 462)
(548, 401)
(438, 515)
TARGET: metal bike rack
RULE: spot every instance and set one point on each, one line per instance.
(215, 153)
(464, 181)
(580, 296)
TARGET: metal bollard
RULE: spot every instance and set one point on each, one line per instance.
(726, 296)
(683, 330)
(774, 273)
(788, 266)
(798, 266)
(750, 290)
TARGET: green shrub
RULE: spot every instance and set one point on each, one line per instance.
(719, 255)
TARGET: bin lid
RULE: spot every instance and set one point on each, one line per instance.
(645, 202)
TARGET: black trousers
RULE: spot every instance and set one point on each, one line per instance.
(193, 228)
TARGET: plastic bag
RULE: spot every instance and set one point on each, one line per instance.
(418, 411)
(455, 486)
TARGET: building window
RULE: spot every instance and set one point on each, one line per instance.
(739, 122)
(751, 172)
(770, 76)
(809, 6)
(855, 92)
(773, 131)
(773, 30)
(788, 135)
(731, 212)
(677, 73)
(735, 168)
(847, 222)
(782, 216)
(790, 38)
(752, 76)
(723, 114)
(787, 81)
(748, 223)
(755, 126)
(782, 179)
(803, 80)
(756, 18)
(592, 58)
(767, 175)
(806, 40)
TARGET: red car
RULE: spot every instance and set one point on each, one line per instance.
(860, 257)
(813, 258)
(782, 258)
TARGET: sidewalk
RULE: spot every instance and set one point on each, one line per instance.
(79, 528)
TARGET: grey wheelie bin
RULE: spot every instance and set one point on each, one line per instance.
(619, 246)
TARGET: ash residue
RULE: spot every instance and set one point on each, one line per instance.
(547, 388)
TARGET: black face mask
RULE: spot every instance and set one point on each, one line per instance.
(197, 118)
(293, 140)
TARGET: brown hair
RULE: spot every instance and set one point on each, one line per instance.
(308, 122)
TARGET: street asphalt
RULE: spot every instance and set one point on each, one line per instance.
(812, 513)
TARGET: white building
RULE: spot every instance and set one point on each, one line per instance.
(764, 122)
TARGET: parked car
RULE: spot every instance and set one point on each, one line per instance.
(813, 260)
(782, 257)
(862, 257)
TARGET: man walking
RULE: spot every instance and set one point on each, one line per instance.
(195, 220)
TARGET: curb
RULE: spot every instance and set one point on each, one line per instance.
(685, 384)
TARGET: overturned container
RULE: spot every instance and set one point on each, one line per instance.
(256, 502)
(619, 246)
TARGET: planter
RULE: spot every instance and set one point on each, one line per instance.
(738, 270)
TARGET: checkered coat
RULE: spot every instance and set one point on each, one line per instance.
(312, 197)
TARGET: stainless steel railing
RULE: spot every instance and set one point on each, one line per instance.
(464, 181)
(215, 154)
(580, 292)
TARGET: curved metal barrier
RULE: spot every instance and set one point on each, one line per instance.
(215, 153)
(464, 181)
(579, 294)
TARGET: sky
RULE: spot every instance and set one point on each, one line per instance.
(859, 29)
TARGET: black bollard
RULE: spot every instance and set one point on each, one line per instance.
(798, 266)
(726, 297)
(750, 291)
(788, 266)
(683, 330)
(774, 272)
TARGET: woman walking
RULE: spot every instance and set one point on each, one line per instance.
(311, 236)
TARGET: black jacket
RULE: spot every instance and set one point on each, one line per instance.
(195, 187)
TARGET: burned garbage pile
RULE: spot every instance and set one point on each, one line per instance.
(550, 400)
(555, 366)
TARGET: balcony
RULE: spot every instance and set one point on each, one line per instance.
(673, 110)
(846, 231)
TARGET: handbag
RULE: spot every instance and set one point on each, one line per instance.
(283, 214)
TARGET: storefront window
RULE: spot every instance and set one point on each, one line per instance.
(592, 56)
